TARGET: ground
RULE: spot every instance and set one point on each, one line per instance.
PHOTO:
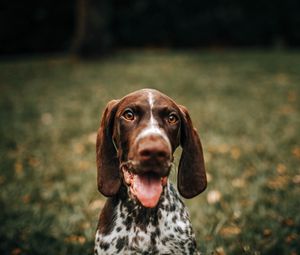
(244, 104)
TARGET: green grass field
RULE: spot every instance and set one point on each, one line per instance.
(245, 105)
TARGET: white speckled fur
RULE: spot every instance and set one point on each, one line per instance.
(174, 238)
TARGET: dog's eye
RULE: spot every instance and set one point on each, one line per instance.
(172, 119)
(128, 115)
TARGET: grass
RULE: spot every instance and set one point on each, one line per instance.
(245, 105)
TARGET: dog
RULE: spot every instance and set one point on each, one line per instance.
(144, 213)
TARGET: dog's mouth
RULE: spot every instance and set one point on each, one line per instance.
(146, 187)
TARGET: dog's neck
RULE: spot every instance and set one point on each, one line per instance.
(139, 215)
(157, 230)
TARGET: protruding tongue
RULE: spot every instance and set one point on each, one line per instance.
(147, 188)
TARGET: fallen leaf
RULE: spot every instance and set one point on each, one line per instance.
(230, 231)
(92, 138)
(75, 239)
(83, 165)
(220, 251)
(296, 179)
(238, 183)
(214, 196)
(278, 182)
(296, 152)
(26, 199)
(16, 251)
(246, 248)
(235, 153)
(267, 232)
(237, 214)
(208, 177)
(223, 148)
(81, 239)
(246, 202)
(86, 225)
(281, 168)
(78, 148)
(18, 168)
(289, 222)
(33, 162)
(290, 238)
(208, 238)
(286, 109)
(46, 118)
(96, 205)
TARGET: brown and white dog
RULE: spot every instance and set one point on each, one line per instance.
(135, 144)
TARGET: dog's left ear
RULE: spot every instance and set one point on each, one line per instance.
(108, 176)
(191, 171)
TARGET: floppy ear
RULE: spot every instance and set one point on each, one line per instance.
(191, 171)
(108, 176)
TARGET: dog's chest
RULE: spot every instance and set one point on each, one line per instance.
(164, 231)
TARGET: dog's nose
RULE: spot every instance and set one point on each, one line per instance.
(153, 148)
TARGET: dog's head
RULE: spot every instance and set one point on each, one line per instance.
(135, 144)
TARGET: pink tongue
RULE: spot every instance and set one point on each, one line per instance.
(147, 189)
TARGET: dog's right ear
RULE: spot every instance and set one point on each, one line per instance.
(108, 176)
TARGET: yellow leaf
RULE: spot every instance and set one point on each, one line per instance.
(281, 168)
(78, 148)
(223, 148)
(296, 152)
(84, 165)
(220, 251)
(18, 168)
(75, 239)
(235, 153)
(278, 182)
(86, 225)
(230, 231)
(81, 239)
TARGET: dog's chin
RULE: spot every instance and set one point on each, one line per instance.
(146, 187)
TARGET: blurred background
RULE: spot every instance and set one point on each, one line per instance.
(92, 27)
(234, 64)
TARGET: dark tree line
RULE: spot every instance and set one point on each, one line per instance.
(92, 27)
